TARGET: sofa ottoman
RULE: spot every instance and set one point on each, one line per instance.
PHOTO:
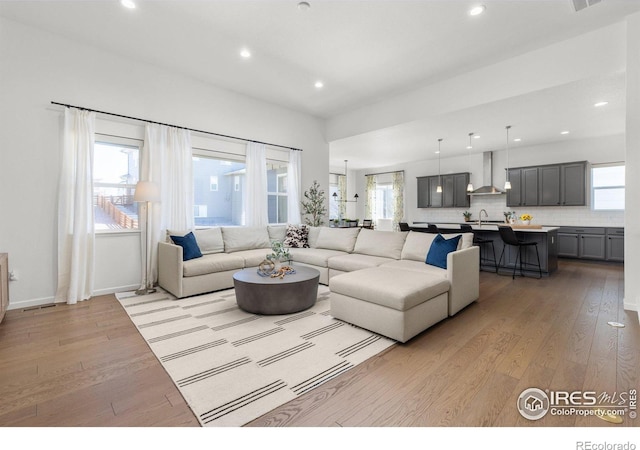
(395, 303)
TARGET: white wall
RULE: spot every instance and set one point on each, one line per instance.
(632, 220)
(595, 151)
(38, 67)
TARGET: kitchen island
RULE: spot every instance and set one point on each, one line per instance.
(545, 237)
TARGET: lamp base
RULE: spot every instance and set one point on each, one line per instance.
(145, 291)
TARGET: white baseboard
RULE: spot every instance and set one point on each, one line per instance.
(31, 303)
(48, 300)
(629, 306)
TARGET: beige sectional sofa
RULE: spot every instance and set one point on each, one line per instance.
(373, 275)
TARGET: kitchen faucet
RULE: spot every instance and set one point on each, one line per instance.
(480, 216)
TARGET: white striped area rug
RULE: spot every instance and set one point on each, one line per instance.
(232, 366)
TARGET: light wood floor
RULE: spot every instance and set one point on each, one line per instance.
(86, 365)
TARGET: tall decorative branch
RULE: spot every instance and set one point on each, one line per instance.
(314, 205)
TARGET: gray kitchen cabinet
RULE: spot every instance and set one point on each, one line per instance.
(435, 197)
(615, 244)
(549, 177)
(423, 192)
(549, 185)
(573, 184)
(453, 195)
(583, 243)
(524, 187)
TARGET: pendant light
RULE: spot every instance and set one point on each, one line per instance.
(470, 185)
(439, 188)
(507, 183)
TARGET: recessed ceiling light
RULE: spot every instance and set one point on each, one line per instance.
(477, 10)
(437, 151)
(564, 132)
(476, 136)
(128, 4)
(600, 104)
(319, 84)
(303, 6)
(469, 147)
(517, 140)
(245, 53)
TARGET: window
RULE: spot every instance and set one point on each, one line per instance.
(334, 206)
(607, 187)
(221, 205)
(218, 189)
(277, 191)
(116, 171)
(384, 201)
(213, 183)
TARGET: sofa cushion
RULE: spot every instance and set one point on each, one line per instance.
(245, 238)
(216, 262)
(297, 236)
(417, 244)
(277, 232)
(210, 240)
(190, 249)
(341, 239)
(440, 248)
(356, 261)
(312, 239)
(415, 266)
(314, 256)
(393, 288)
(387, 244)
(253, 258)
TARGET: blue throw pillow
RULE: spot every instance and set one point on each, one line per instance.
(190, 249)
(440, 248)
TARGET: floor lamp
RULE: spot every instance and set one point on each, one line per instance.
(146, 192)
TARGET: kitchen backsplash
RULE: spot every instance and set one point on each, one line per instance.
(495, 205)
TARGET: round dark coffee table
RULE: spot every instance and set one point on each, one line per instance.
(271, 296)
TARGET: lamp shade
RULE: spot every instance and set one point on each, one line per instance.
(146, 191)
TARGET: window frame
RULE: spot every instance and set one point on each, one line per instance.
(607, 187)
(109, 139)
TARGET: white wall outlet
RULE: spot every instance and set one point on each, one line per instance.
(13, 276)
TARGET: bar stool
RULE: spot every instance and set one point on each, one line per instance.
(509, 238)
(480, 242)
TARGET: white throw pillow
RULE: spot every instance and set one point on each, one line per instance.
(342, 239)
(277, 232)
(245, 238)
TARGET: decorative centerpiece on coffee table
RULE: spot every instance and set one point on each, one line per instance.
(279, 254)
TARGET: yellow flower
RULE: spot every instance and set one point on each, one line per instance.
(526, 217)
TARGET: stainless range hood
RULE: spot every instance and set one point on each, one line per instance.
(487, 177)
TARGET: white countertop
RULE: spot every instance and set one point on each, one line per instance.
(488, 227)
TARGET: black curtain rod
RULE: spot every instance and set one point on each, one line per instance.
(175, 126)
(383, 173)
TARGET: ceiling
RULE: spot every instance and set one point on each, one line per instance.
(364, 51)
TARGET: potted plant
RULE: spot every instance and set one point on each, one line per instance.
(467, 216)
(526, 219)
(279, 254)
(314, 205)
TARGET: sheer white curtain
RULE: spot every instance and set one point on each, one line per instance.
(256, 208)
(293, 187)
(75, 208)
(167, 161)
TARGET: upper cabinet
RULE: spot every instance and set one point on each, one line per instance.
(453, 195)
(549, 185)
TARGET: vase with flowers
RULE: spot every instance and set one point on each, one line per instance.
(279, 254)
(526, 219)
